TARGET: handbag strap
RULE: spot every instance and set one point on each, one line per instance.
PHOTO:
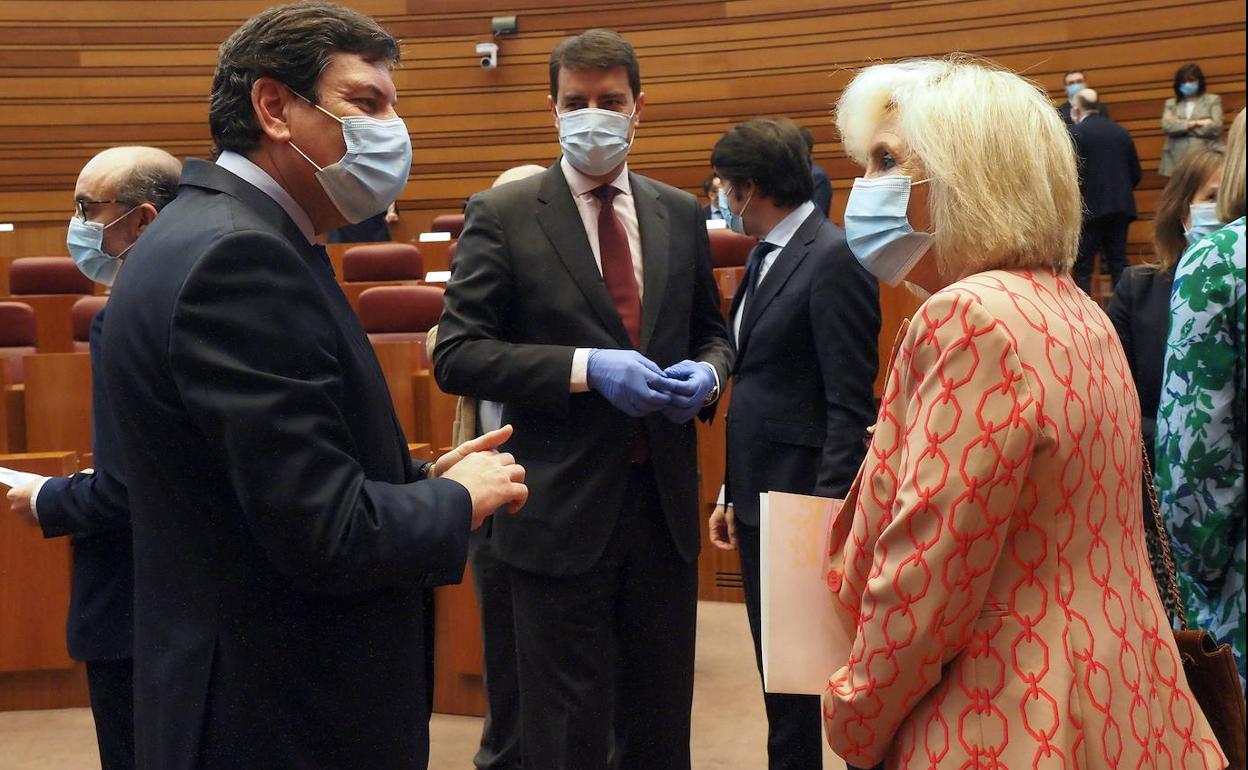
(1163, 539)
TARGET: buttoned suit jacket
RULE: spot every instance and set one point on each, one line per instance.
(524, 293)
(803, 380)
(281, 549)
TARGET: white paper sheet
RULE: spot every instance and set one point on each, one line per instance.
(12, 478)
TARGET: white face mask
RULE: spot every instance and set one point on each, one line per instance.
(85, 242)
(1204, 221)
(878, 230)
(374, 170)
(595, 141)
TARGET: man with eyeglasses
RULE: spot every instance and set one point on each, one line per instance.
(118, 194)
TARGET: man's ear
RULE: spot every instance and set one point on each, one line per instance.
(271, 100)
(554, 109)
(147, 213)
(637, 105)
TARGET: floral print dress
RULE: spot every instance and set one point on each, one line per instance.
(1200, 434)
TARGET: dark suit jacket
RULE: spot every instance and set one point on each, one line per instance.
(93, 508)
(823, 189)
(280, 550)
(1109, 168)
(1140, 311)
(524, 293)
(802, 384)
(1063, 110)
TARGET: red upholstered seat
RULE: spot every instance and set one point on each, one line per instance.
(17, 338)
(448, 223)
(48, 275)
(401, 313)
(729, 249)
(84, 312)
(450, 252)
(383, 262)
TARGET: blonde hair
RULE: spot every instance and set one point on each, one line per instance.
(1005, 189)
(1231, 192)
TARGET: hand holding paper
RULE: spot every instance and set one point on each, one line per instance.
(21, 486)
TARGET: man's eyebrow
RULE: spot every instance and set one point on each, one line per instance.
(358, 85)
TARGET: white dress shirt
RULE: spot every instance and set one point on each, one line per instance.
(257, 177)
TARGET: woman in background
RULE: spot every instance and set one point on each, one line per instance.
(1140, 307)
(1192, 118)
(991, 565)
(1200, 423)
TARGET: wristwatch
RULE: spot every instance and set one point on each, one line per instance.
(423, 470)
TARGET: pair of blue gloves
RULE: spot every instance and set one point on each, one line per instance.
(637, 386)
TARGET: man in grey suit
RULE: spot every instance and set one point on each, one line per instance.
(583, 300)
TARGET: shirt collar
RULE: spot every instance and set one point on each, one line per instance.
(583, 185)
(249, 172)
(786, 228)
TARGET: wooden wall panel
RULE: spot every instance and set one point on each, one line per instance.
(79, 76)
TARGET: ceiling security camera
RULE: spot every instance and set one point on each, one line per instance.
(487, 54)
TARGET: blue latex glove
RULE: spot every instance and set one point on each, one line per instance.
(688, 383)
(627, 379)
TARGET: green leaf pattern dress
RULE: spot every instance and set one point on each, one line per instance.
(1200, 434)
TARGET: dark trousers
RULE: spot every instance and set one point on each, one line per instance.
(500, 738)
(1106, 236)
(111, 685)
(606, 657)
(794, 722)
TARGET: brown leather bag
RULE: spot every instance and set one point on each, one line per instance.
(1210, 667)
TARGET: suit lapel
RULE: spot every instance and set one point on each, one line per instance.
(561, 221)
(655, 251)
(781, 270)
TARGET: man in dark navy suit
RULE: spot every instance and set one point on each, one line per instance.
(805, 319)
(283, 540)
(121, 189)
(1109, 171)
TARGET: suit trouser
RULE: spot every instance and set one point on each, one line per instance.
(794, 722)
(1107, 236)
(500, 738)
(111, 685)
(606, 657)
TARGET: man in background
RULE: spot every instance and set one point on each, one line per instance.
(1074, 82)
(283, 539)
(118, 194)
(805, 322)
(582, 299)
(711, 188)
(822, 195)
(1109, 170)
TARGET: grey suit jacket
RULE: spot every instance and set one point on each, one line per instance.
(1179, 139)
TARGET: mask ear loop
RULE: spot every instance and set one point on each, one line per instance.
(291, 142)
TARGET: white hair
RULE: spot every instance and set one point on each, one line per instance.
(517, 173)
(1005, 189)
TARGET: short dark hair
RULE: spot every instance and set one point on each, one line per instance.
(772, 154)
(595, 49)
(1073, 72)
(290, 43)
(148, 182)
(1187, 72)
(709, 184)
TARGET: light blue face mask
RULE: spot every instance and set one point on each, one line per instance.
(1073, 89)
(1204, 222)
(85, 242)
(595, 141)
(878, 230)
(374, 170)
(1188, 88)
(734, 222)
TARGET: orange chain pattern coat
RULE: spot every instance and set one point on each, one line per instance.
(995, 571)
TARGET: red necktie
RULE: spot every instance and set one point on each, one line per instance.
(617, 264)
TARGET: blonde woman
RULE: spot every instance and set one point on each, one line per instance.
(991, 563)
